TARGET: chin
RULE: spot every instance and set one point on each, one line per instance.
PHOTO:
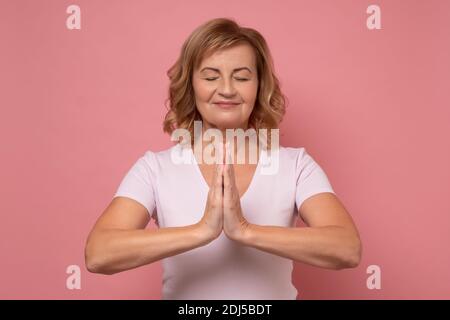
(228, 124)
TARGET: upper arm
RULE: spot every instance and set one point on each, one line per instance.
(325, 209)
(316, 200)
(133, 204)
(123, 213)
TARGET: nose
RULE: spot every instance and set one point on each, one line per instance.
(226, 88)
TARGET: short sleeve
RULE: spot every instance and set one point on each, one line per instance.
(311, 179)
(138, 182)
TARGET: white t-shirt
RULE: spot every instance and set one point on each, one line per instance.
(176, 194)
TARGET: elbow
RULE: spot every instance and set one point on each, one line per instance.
(354, 261)
(91, 261)
(352, 257)
(92, 265)
(94, 262)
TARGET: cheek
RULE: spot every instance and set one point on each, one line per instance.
(248, 109)
(202, 90)
(202, 98)
(250, 92)
(249, 96)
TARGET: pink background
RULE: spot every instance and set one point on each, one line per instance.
(78, 107)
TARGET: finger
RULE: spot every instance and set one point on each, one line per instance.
(226, 178)
(218, 179)
(217, 168)
(230, 169)
(227, 183)
(218, 183)
(227, 153)
(224, 152)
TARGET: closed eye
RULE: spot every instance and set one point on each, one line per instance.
(239, 79)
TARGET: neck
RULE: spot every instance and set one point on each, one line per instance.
(249, 146)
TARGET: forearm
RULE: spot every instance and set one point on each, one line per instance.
(330, 247)
(111, 250)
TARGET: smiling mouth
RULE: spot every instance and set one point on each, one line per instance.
(227, 105)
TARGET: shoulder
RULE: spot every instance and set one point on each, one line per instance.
(154, 160)
(157, 160)
(299, 158)
(282, 161)
(292, 155)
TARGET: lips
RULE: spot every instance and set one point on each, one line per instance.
(226, 104)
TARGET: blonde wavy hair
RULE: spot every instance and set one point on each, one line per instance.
(209, 37)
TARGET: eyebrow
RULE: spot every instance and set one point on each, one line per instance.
(234, 70)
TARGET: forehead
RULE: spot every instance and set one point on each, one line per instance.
(238, 55)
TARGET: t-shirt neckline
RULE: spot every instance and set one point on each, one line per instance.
(206, 185)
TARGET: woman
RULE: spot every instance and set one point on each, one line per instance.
(225, 230)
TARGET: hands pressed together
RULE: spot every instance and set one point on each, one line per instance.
(223, 206)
